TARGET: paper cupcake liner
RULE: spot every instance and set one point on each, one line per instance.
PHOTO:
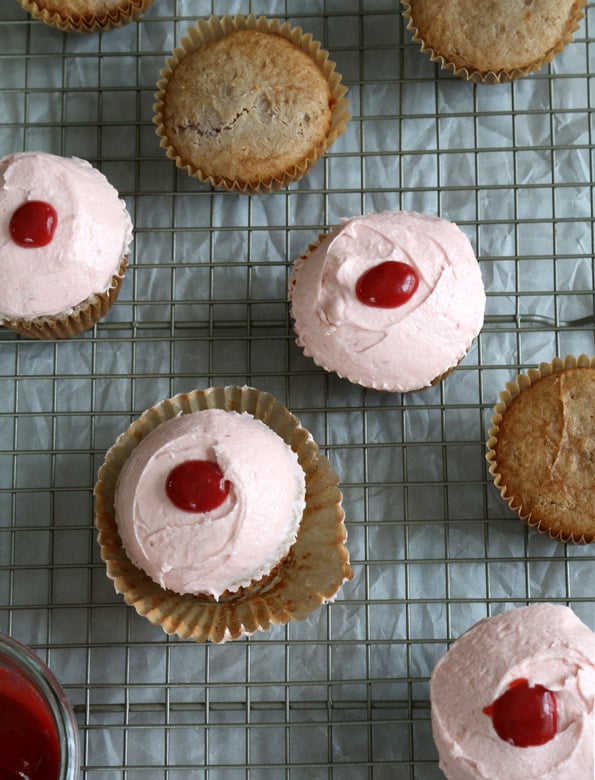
(312, 573)
(492, 77)
(380, 385)
(80, 319)
(90, 22)
(213, 29)
(506, 397)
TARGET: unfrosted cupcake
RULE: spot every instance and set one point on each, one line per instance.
(65, 242)
(249, 104)
(85, 16)
(218, 516)
(541, 448)
(514, 698)
(392, 300)
(506, 41)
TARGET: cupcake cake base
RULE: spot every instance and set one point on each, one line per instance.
(508, 41)
(83, 317)
(85, 16)
(248, 104)
(541, 448)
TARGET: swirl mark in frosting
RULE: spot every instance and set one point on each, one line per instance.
(545, 644)
(231, 545)
(90, 240)
(401, 348)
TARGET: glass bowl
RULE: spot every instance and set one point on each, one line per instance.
(38, 730)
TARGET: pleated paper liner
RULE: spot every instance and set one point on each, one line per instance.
(312, 573)
(469, 72)
(80, 319)
(536, 517)
(55, 13)
(215, 28)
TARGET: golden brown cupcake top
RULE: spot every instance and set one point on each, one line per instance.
(495, 35)
(84, 7)
(247, 107)
(545, 453)
(85, 15)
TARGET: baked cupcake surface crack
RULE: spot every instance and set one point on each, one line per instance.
(542, 450)
(249, 105)
(270, 85)
(258, 108)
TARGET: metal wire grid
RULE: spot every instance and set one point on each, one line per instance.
(343, 695)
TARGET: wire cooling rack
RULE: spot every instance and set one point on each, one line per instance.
(343, 695)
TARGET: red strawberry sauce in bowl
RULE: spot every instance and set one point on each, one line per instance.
(38, 731)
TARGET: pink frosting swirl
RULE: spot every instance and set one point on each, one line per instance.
(230, 546)
(546, 645)
(92, 235)
(402, 348)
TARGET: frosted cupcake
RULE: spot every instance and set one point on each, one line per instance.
(391, 300)
(249, 104)
(514, 698)
(85, 16)
(510, 40)
(64, 248)
(541, 448)
(218, 516)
